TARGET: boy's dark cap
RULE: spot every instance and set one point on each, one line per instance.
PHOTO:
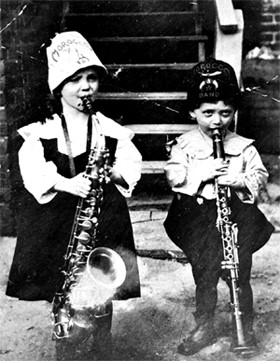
(213, 80)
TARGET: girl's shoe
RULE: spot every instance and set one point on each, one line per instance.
(202, 336)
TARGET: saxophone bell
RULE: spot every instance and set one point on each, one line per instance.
(106, 267)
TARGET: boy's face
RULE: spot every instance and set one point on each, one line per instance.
(83, 83)
(210, 116)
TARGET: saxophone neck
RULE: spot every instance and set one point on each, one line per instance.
(100, 137)
(89, 108)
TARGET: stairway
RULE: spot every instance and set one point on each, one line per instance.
(148, 47)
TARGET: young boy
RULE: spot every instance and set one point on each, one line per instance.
(191, 171)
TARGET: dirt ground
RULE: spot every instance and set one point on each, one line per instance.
(149, 328)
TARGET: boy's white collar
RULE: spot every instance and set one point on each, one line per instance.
(198, 144)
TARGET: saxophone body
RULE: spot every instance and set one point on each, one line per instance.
(228, 231)
(83, 256)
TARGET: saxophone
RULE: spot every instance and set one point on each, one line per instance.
(228, 231)
(104, 266)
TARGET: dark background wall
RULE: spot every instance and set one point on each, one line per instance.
(23, 81)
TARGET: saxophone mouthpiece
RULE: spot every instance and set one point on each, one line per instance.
(88, 104)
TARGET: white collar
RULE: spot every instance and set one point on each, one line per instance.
(197, 144)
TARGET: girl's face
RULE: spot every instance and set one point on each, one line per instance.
(210, 116)
(83, 83)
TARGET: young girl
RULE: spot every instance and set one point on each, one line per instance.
(191, 171)
(52, 160)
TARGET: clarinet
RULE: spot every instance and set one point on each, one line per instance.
(228, 231)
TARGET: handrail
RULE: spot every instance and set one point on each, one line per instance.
(226, 16)
(161, 128)
(142, 96)
(228, 47)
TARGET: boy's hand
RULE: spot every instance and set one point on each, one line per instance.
(217, 168)
(231, 181)
(78, 185)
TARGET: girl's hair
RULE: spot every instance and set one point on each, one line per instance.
(53, 104)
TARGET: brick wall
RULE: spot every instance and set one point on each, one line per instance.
(270, 25)
(259, 118)
(259, 115)
(25, 27)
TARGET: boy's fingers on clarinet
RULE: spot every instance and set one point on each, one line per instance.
(220, 164)
(224, 180)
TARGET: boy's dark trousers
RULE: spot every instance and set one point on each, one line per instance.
(206, 280)
(207, 270)
(191, 225)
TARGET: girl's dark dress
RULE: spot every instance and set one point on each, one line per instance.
(43, 232)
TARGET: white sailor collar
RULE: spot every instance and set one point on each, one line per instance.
(47, 130)
(198, 144)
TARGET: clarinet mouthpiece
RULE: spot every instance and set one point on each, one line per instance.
(218, 147)
(216, 131)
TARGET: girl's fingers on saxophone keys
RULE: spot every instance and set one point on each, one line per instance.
(84, 187)
(82, 181)
(79, 186)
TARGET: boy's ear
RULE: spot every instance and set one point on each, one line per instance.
(192, 114)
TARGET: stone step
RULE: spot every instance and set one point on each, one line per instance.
(84, 6)
(134, 24)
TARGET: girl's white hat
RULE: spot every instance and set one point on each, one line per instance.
(68, 53)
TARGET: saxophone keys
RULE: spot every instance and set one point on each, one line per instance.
(88, 212)
(92, 202)
(81, 248)
(72, 261)
(86, 225)
(93, 192)
(83, 237)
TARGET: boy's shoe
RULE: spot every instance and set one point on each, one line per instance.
(202, 336)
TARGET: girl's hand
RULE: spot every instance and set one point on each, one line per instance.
(217, 168)
(78, 185)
